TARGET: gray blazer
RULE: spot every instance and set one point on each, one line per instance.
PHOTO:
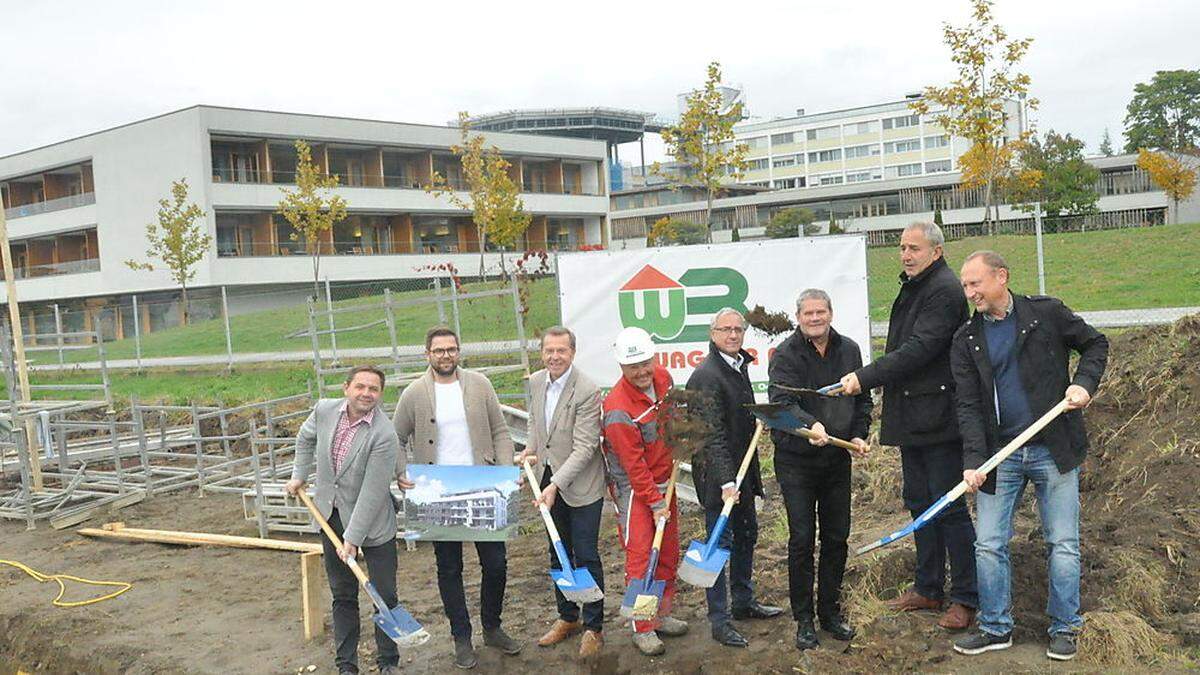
(572, 446)
(360, 488)
(416, 424)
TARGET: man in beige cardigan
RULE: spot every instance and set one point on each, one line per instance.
(564, 436)
(452, 416)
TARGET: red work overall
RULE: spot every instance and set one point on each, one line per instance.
(639, 466)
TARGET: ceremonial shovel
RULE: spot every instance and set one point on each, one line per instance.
(994, 461)
(575, 583)
(702, 563)
(399, 625)
(643, 595)
(783, 417)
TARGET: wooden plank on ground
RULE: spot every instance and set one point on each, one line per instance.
(77, 516)
(310, 594)
(121, 533)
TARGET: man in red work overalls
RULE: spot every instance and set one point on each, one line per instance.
(639, 466)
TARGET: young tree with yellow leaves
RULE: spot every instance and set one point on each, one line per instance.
(308, 208)
(703, 141)
(1175, 177)
(986, 59)
(176, 240)
(493, 197)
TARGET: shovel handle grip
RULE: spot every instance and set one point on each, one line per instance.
(302, 493)
(836, 442)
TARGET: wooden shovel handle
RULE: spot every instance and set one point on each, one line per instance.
(662, 526)
(302, 493)
(845, 445)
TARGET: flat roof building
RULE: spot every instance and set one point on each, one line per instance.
(78, 209)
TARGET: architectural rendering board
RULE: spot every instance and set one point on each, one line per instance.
(461, 503)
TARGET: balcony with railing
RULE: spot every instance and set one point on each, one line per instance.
(50, 190)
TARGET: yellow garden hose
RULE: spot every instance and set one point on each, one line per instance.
(62, 588)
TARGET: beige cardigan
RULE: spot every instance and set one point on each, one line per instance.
(416, 424)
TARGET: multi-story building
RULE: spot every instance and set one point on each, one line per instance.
(77, 209)
(856, 145)
(486, 509)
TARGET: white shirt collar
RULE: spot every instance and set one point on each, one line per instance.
(734, 362)
(561, 381)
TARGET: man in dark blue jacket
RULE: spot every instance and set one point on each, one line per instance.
(724, 380)
(918, 416)
(1011, 364)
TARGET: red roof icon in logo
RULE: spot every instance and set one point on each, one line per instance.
(650, 278)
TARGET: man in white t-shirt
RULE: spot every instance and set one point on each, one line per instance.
(452, 416)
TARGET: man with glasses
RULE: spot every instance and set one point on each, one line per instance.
(452, 416)
(724, 378)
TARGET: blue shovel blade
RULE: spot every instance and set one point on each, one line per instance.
(396, 622)
(700, 570)
(577, 585)
(640, 588)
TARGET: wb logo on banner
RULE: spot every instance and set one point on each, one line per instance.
(662, 306)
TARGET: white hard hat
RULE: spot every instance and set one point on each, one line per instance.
(633, 346)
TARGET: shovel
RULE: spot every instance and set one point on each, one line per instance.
(396, 622)
(643, 595)
(831, 390)
(781, 416)
(702, 563)
(994, 461)
(575, 583)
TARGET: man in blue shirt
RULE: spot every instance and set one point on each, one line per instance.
(1010, 365)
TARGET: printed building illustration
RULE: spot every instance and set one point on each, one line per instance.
(485, 509)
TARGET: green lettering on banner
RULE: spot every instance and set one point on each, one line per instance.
(666, 327)
(737, 289)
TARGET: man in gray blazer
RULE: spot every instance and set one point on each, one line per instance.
(452, 416)
(564, 436)
(355, 449)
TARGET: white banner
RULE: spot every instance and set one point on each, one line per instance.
(673, 293)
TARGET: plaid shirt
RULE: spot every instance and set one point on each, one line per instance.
(343, 435)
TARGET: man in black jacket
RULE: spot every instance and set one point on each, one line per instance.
(813, 476)
(724, 380)
(918, 416)
(1011, 365)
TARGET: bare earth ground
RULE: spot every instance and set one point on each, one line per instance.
(216, 610)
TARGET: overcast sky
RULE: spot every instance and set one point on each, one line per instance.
(70, 68)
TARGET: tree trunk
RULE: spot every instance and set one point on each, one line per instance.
(987, 207)
(482, 248)
(708, 218)
(316, 258)
(184, 300)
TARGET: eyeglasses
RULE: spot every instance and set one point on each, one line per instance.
(736, 330)
(447, 351)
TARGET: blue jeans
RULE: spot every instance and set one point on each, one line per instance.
(1058, 506)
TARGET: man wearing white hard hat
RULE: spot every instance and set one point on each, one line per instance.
(639, 465)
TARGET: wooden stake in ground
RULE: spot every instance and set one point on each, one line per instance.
(311, 570)
(14, 316)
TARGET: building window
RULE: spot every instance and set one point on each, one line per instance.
(902, 146)
(863, 176)
(940, 166)
(856, 151)
(757, 143)
(779, 163)
(901, 122)
(785, 184)
(756, 164)
(902, 170)
(824, 133)
(857, 128)
(760, 183)
(939, 141)
(783, 139)
(829, 179)
(825, 156)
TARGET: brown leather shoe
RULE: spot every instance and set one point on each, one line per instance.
(590, 645)
(561, 630)
(912, 601)
(957, 617)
